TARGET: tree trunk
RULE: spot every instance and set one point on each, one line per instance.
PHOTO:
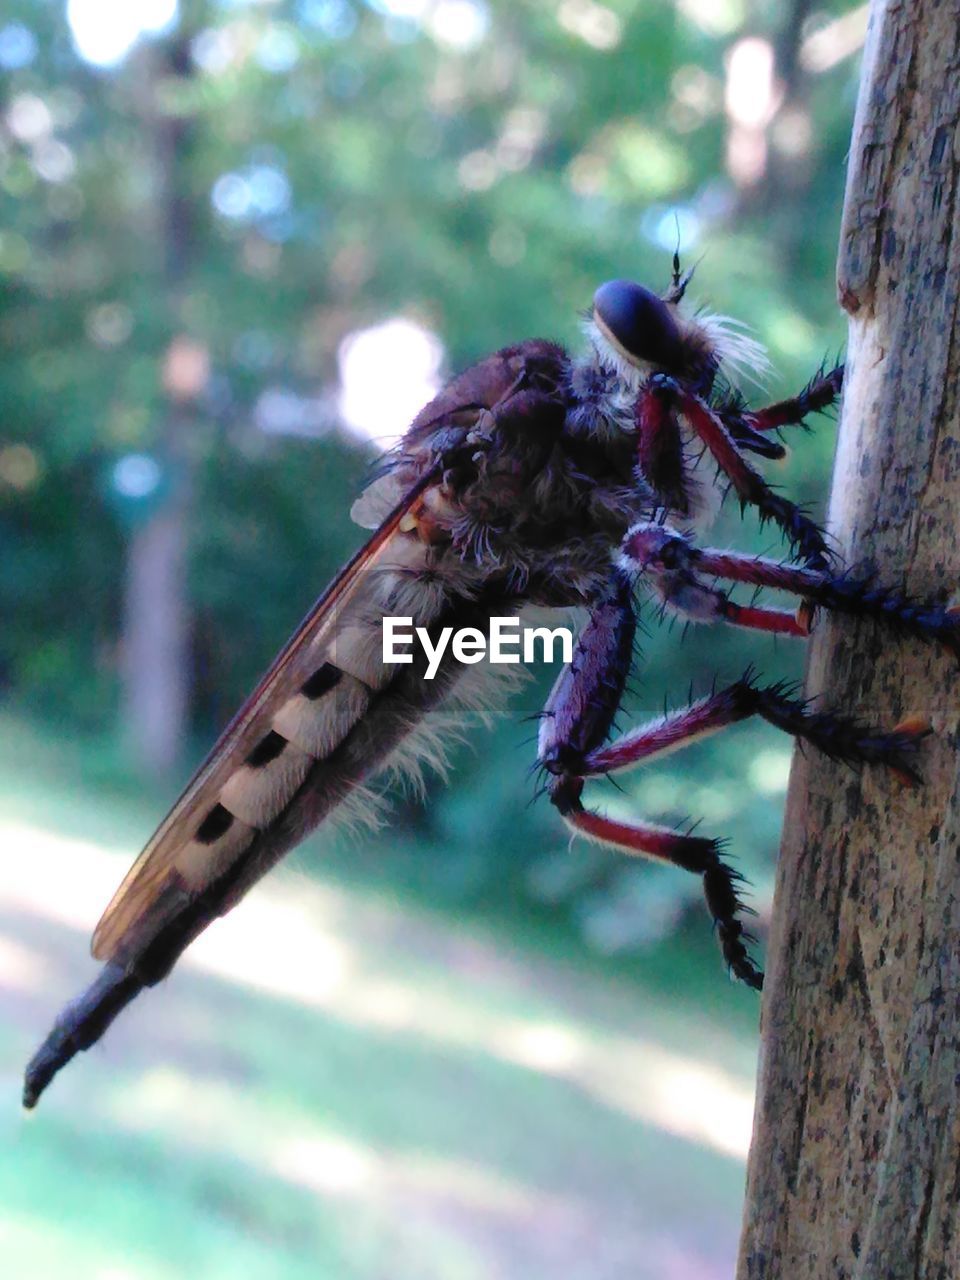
(855, 1166)
(156, 637)
(156, 630)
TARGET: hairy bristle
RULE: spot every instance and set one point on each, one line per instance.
(743, 357)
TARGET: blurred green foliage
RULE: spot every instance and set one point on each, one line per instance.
(339, 163)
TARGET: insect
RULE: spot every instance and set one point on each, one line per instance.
(534, 478)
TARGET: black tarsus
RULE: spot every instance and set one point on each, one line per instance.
(804, 534)
(725, 906)
(857, 595)
(838, 737)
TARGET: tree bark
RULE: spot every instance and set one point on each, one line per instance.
(855, 1165)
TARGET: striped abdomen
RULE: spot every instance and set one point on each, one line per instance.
(287, 768)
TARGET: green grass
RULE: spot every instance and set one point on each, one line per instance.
(405, 1093)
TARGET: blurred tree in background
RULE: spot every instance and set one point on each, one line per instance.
(240, 242)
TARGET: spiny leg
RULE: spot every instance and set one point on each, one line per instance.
(750, 486)
(928, 620)
(675, 569)
(747, 426)
(577, 721)
(838, 737)
(821, 392)
(697, 854)
(587, 693)
(660, 454)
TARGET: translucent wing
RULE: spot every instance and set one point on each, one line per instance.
(316, 690)
(328, 715)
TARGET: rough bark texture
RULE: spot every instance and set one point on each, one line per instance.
(855, 1167)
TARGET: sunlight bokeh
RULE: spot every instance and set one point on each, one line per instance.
(104, 31)
(387, 373)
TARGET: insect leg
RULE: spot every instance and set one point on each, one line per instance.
(674, 568)
(660, 451)
(751, 488)
(572, 748)
(839, 737)
(751, 428)
(575, 724)
(697, 854)
(667, 562)
(774, 622)
(929, 620)
(820, 393)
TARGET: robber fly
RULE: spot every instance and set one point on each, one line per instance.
(535, 478)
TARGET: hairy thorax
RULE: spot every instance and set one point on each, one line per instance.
(529, 502)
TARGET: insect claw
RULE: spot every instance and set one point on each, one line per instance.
(915, 727)
(909, 777)
(806, 613)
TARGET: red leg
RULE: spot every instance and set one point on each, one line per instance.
(577, 719)
(659, 737)
(839, 738)
(667, 562)
(691, 853)
(761, 572)
(674, 568)
(660, 452)
(927, 620)
(836, 736)
(750, 428)
(758, 571)
(749, 485)
(776, 622)
(820, 393)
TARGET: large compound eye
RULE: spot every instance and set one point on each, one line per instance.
(638, 323)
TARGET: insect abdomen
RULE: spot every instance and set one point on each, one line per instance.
(307, 729)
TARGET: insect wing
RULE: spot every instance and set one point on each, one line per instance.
(189, 849)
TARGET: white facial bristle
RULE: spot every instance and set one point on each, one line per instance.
(610, 358)
(743, 358)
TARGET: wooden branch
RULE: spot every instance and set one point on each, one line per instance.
(855, 1166)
